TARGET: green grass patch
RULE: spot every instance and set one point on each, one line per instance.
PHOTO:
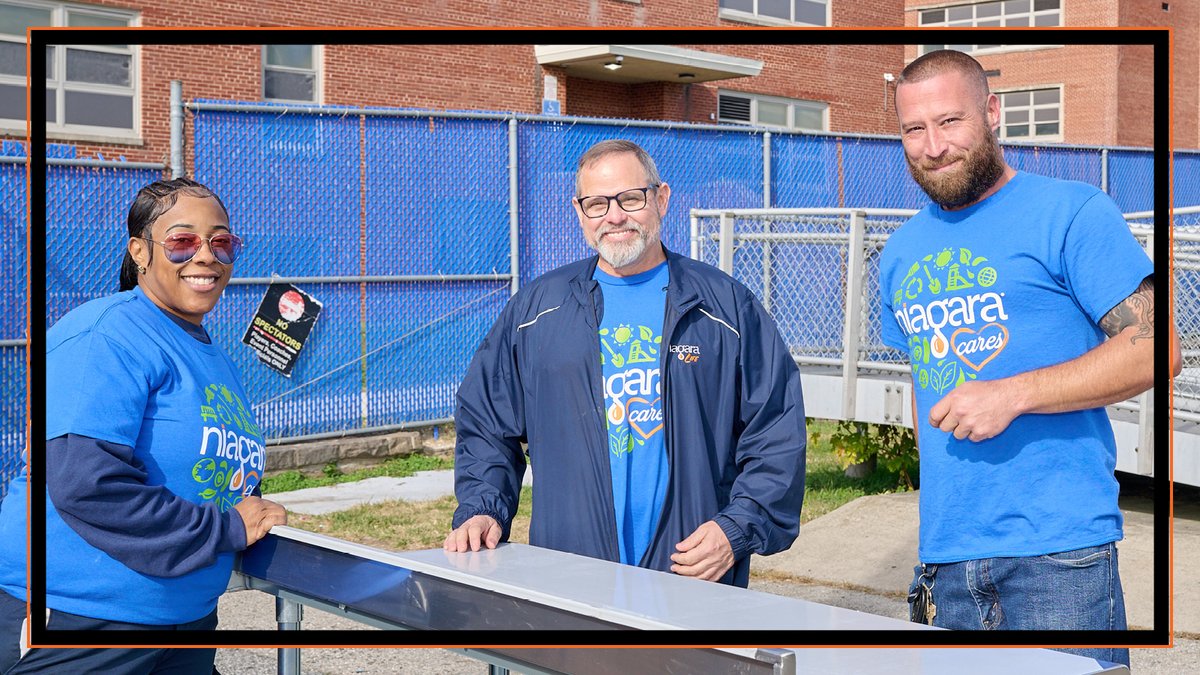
(404, 525)
(396, 467)
(826, 486)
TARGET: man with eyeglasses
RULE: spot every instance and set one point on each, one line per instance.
(660, 406)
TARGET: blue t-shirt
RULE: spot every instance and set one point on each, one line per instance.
(1015, 283)
(630, 346)
(119, 370)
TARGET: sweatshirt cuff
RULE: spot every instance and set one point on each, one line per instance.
(233, 532)
(737, 539)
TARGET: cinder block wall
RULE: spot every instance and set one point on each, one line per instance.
(352, 453)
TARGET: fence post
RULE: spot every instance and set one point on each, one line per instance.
(766, 169)
(766, 267)
(1104, 170)
(514, 248)
(853, 305)
(725, 245)
(695, 240)
(177, 168)
(766, 224)
(1145, 446)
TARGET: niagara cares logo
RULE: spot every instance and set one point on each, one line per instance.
(953, 317)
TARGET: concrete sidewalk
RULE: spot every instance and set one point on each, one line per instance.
(421, 486)
(868, 545)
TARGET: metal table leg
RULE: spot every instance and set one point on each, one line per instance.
(289, 614)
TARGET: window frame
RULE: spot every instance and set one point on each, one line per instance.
(791, 104)
(974, 23)
(753, 17)
(1032, 137)
(318, 59)
(59, 129)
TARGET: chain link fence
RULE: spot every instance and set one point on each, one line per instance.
(409, 227)
(813, 268)
(702, 167)
(86, 204)
(803, 265)
(1187, 180)
(875, 175)
(87, 208)
(1187, 308)
(13, 247)
(1186, 251)
(397, 225)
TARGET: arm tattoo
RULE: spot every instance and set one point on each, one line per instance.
(1137, 311)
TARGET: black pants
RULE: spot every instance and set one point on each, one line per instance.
(116, 660)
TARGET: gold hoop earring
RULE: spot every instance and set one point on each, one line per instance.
(141, 269)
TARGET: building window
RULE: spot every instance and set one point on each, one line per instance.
(772, 111)
(805, 12)
(991, 14)
(290, 73)
(1031, 115)
(89, 88)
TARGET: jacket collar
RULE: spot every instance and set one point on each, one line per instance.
(681, 293)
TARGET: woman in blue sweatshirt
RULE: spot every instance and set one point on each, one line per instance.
(153, 456)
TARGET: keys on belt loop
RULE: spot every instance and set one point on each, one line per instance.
(921, 608)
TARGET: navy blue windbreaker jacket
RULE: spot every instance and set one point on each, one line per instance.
(733, 419)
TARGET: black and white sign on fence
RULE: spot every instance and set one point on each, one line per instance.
(284, 319)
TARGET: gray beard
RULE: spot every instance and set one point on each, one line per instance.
(620, 255)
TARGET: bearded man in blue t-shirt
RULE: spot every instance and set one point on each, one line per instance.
(1025, 306)
(662, 411)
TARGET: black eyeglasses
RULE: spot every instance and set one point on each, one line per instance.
(181, 247)
(596, 206)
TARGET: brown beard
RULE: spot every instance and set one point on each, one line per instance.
(982, 166)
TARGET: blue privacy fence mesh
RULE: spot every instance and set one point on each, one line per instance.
(1081, 164)
(1131, 180)
(419, 344)
(84, 240)
(12, 251)
(334, 196)
(339, 197)
(704, 169)
(86, 234)
(804, 171)
(874, 175)
(12, 320)
(1187, 178)
(292, 185)
(436, 196)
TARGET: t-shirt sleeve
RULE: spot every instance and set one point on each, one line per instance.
(95, 388)
(99, 489)
(890, 331)
(1102, 262)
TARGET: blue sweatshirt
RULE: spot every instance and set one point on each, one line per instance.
(150, 446)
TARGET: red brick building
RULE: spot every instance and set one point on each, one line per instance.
(1090, 94)
(114, 100)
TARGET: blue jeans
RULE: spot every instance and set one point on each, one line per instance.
(1072, 590)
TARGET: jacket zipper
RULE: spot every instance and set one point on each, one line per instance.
(602, 416)
(672, 318)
